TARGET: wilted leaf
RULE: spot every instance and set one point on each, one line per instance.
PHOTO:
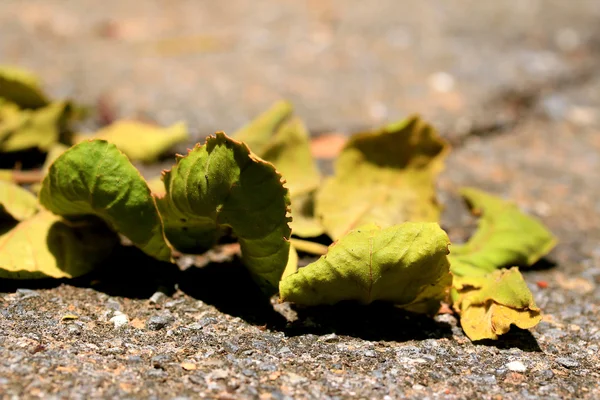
(41, 128)
(222, 187)
(505, 237)
(258, 132)
(16, 202)
(46, 246)
(384, 177)
(21, 87)
(404, 264)
(95, 178)
(140, 141)
(488, 305)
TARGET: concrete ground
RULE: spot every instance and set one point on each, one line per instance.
(514, 85)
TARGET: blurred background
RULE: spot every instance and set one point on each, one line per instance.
(465, 65)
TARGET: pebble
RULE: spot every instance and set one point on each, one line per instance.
(332, 337)
(74, 329)
(158, 322)
(161, 361)
(516, 366)
(567, 362)
(157, 298)
(119, 319)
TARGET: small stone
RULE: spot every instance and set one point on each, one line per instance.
(219, 374)
(134, 360)
(516, 366)
(188, 366)
(370, 353)
(74, 329)
(157, 298)
(119, 319)
(158, 322)
(295, 378)
(157, 373)
(160, 361)
(567, 362)
(332, 337)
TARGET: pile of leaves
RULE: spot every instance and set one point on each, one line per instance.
(262, 187)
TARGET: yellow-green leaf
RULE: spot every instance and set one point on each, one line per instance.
(488, 305)
(257, 133)
(222, 187)
(140, 141)
(289, 151)
(16, 202)
(95, 178)
(505, 237)
(21, 87)
(405, 265)
(384, 177)
(45, 246)
(41, 128)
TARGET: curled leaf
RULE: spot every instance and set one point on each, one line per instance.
(488, 305)
(45, 246)
(21, 87)
(95, 178)
(16, 202)
(220, 188)
(384, 177)
(505, 237)
(405, 265)
(140, 141)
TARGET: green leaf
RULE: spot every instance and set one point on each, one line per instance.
(21, 87)
(488, 305)
(140, 141)
(45, 246)
(405, 265)
(258, 132)
(16, 202)
(41, 128)
(384, 177)
(222, 187)
(95, 178)
(505, 237)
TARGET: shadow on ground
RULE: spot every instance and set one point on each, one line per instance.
(373, 322)
(229, 288)
(519, 338)
(131, 273)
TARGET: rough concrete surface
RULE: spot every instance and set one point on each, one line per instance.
(514, 85)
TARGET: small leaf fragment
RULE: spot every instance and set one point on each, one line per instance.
(16, 202)
(138, 140)
(505, 237)
(384, 177)
(258, 132)
(95, 178)
(222, 187)
(488, 305)
(405, 265)
(21, 87)
(46, 246)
